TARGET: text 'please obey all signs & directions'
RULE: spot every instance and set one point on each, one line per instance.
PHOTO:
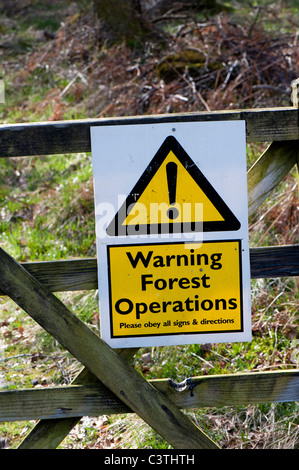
(172, 233)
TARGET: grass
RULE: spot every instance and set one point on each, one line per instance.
(53, 195)
(47, 213)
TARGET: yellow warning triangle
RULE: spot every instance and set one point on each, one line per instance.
(154, 204)
(172, 196)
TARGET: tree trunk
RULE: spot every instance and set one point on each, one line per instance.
(121, 20)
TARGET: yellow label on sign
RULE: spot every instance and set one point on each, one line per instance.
(175, 288)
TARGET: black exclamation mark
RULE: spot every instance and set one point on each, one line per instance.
(172, 171)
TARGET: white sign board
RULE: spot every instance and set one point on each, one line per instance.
(172, 233)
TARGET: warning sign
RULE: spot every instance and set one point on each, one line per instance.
(172, 195)
(175, 288)
(172, 232)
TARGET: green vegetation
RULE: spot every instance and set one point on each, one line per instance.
(55, 66)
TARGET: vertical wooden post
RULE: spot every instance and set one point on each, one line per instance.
(295, 101)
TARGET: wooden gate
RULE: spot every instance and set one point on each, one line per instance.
(107, 383)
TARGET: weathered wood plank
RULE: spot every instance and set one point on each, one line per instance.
(238, 389)
(122, 379)
(74, 402)
(269, 170)
(61, 137)
(81, 274)
(275, 261)
(65, 275)
(95, 399)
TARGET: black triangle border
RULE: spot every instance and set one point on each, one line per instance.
(230, 222)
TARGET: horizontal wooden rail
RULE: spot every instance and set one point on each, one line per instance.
(278, 261)
(62, 137)
(268, 171)
(81, 274)
(96, 399)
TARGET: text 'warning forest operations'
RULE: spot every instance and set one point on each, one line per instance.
(202, 280)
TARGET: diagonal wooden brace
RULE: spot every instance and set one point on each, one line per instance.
(122, 379)
(269, 170)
